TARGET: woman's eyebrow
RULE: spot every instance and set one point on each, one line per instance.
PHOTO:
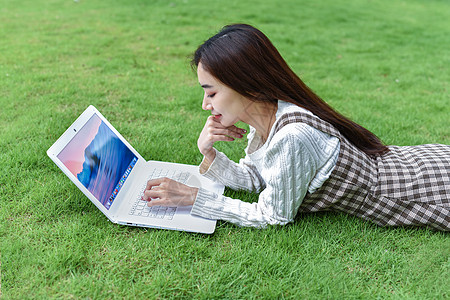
(206, 86)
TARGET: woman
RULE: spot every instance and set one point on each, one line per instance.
(301, 155)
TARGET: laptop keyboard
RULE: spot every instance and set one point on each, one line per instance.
(140, 208)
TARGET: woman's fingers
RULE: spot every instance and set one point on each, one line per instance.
(154, 182)
(233, 130)
(154, 192)
(226, 132)
(151, 190)
(151, 194)
(168, 192)
(214, 131)
(157, 202)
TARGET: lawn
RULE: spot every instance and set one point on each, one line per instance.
(385, 64)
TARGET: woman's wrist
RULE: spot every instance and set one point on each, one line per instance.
(210, 156)
(194, 193)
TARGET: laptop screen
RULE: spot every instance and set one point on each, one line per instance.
(99, 159)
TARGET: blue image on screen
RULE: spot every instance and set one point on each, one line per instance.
(107, 163)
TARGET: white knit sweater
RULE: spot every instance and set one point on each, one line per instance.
(295, 160)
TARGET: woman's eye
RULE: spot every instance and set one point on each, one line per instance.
(211, 95)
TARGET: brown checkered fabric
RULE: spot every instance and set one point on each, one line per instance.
(407, 186)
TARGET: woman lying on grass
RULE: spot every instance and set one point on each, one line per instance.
(302, 156)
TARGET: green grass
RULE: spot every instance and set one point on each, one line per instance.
(382, 63)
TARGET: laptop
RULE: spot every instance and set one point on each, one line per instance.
(113, 175)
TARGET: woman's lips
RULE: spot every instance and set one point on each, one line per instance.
(217, 116)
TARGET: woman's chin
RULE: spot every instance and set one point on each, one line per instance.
(226, 122)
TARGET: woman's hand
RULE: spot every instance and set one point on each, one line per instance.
(214, 131)
(168, 192)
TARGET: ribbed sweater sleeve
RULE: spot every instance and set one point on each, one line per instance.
(289, 164)
(238, 176)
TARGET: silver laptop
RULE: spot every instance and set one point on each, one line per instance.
(113, 175)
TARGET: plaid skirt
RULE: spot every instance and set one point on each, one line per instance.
(407, 186)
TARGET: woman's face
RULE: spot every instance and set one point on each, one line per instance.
(224, 103)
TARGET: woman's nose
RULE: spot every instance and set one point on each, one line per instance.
(206, 105)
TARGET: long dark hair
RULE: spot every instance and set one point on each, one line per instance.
(243, 58)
